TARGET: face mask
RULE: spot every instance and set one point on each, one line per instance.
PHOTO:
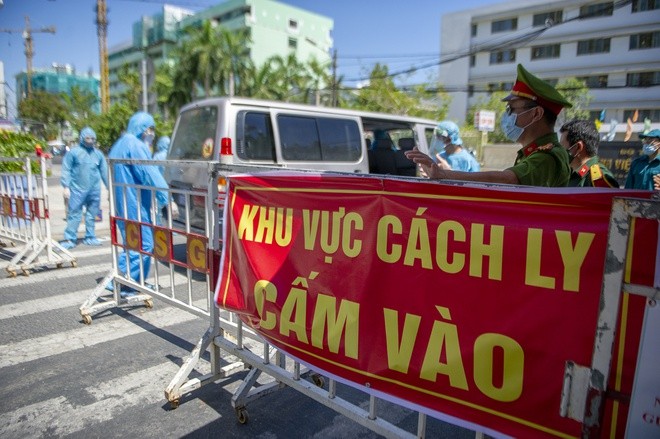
(569, 152)
(148, 139)
(509, 127)
(649, 149)
(89, 144)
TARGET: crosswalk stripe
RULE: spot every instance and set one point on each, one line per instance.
(52, 275)
(60, 417)
(61, 301)
(84, 336)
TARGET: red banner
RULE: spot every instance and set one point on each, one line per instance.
(460, 301)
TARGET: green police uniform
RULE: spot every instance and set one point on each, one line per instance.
(593, 174)
(534, 166)
(547, 168)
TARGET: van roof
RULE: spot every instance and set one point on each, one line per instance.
(219, 101)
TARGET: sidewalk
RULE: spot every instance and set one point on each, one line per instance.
(57, 216)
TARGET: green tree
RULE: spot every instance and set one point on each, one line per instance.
(577, 93)
(80, 104)
(44, 112)
(132, 82)
(111, 124)
(18, 145)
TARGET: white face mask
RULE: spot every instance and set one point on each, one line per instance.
(148, 139)
(649, 148)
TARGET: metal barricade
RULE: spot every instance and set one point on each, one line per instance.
(24, 218)
(270, 369)
(179, 252)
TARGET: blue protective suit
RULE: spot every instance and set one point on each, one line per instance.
(138, 204)
(83, 169)
(162, 147)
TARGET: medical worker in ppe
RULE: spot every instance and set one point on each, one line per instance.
(135, 144)
(162, 147)
(83, 169)
(453, 155)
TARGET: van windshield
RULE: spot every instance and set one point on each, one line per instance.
(195, 135)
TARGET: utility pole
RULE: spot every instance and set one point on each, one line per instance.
(29, 51)
(102, 32)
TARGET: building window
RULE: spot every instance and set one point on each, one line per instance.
(473, 31)
(643, 79)
(597, 10)
(594, 115)
(544, 52)
(504, 25)
(546, 18)
(653, 115)
(597, 45)
(645, 5)
(293, 43)
(293, 24)
(470, 91)
(598, 81)
(503, 56)
(499, 86)
(552, 81)
(473, 60)
(646, 40)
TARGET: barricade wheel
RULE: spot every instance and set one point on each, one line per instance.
(59, 264)
(11, 273)
(318, 380)
(174, 404)
(242, 415)
(25, 271)
(149, 303)
(87, 319)
(74, 263)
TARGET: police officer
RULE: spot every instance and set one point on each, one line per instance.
(530, 116)
(580, 138)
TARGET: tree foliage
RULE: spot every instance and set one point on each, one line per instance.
(44, 112)
(17, 145)
(577, 93)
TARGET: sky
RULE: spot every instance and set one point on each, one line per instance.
(398, 33)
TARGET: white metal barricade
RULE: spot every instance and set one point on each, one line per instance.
(269, 368)
(585, 387)
(179, 253)
(25, 218)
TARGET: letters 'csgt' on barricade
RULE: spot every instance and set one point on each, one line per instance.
(24, 216)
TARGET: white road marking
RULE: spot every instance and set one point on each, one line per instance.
(84, 336)
(61, 301)
(59, 417)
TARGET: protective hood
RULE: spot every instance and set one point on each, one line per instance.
(163, 144)
(86, 132)
(449, 129)
(139, 123)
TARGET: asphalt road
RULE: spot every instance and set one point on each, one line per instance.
(61, 378)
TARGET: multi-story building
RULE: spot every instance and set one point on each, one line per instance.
(275, 29)
(61, 78)
(3, 96)
(154, 37)
(613, 46)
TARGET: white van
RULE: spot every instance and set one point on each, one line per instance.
(293, 136)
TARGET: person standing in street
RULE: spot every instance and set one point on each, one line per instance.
(580, 138)
(453, 155)
(130, 204)
(645, 168)
(83, 169)
(162, 148)
(530, 116)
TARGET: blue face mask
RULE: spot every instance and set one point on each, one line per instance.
(649, 149)
(509, 127)
(148, 139)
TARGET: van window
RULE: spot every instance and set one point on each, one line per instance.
(257, 139)
(196, 128)
(319, 138)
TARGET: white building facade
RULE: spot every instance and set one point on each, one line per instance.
(614, 47)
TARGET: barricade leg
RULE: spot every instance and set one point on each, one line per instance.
(100, 299)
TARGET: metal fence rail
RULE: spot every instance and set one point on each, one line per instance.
(25, 218)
